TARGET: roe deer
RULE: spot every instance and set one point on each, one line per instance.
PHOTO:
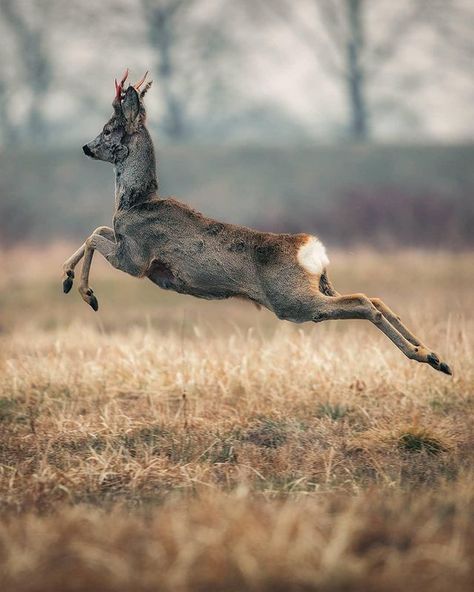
(179, 249)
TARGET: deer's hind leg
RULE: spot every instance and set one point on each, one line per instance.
(394, 320)
(359, 306)
(70, 264)
(393, 327)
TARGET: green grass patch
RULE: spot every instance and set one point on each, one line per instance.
(420, 441)
(333, 411)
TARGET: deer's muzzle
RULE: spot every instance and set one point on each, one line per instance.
(87, 151)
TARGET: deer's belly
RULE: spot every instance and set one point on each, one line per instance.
(160, 274)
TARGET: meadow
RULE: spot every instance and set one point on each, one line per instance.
(167, 443)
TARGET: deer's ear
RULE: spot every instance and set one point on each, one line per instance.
(131, 105)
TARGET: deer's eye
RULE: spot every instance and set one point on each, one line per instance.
(107, 132)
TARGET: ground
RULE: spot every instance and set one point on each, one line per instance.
(167, 443)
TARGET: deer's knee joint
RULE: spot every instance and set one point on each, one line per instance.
(378, 317)
(101, 230)
(90, 242)
(363, 299)
(375, 315)
(93, 241)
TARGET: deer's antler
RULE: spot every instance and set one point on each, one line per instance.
(119, 86)
(137, 85)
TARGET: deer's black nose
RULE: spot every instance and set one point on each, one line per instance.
(87, 151)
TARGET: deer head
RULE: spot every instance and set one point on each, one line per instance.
(112, 144)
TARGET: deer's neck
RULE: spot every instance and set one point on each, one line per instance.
(135, 177)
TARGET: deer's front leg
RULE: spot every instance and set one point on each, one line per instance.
(70, 264)
(108, 249)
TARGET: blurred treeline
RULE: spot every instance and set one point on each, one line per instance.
(382, 195)
(349, 118)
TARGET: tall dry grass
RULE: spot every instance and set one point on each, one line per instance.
(171, 444)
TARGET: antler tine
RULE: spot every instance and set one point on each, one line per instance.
(137, 85)
(124, 77)
(119, 85)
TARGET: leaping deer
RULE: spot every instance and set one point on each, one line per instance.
(179, 249)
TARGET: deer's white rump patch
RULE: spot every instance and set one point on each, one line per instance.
(312, 256)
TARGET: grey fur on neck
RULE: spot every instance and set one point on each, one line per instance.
(135, 175)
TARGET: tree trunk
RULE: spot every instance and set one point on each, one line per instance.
(36, 61)
(355, 76)
(161, 37)
(8, 132)
(174, 117)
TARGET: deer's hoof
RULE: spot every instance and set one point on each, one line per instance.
(68, 281)
(443, 367)
(89, 297)
(94, 303)
(435, 363)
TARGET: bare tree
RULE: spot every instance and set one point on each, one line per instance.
(8, 129)
(192, 44)
(350, 50)
(453, 22)
(30, 33)
(164, 21)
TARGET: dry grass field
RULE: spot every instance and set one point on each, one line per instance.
(171, 444)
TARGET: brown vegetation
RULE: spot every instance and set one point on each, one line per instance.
(171, 444)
